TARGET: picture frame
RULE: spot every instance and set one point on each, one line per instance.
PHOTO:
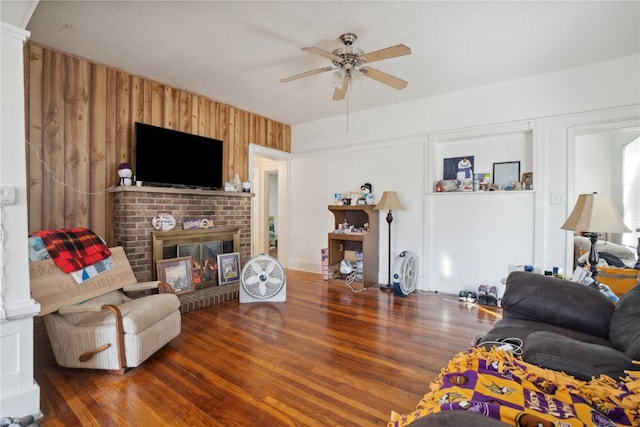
(177, 272)
(193, 250)
(228, 268)
(527, 180)
(461, 169)
(449, 185)
(505, 174)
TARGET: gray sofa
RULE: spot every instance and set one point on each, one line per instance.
(569, 327)
(562, 326)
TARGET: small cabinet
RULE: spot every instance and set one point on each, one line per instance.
(343, 244)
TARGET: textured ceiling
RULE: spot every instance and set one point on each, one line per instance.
(236, 52)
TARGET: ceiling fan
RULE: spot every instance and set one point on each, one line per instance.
(351, 61)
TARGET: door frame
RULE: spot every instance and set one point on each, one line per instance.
(283, 164)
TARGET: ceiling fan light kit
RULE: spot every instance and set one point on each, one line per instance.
(352, 61)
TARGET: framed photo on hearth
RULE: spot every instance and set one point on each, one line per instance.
(177, 273)
(228, 268)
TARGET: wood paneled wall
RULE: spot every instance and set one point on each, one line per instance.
(80, 117)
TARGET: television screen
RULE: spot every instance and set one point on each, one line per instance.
(166, 157)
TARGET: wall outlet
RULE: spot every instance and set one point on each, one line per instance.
(7, 194)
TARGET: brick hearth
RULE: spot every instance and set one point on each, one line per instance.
(207, 297)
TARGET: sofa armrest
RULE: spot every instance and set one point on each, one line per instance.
(563, 303)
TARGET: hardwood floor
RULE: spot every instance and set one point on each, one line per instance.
(326, 357)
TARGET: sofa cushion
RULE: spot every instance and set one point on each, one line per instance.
(624, 331)
(137, 314)
(521, 329)
(558, 302)
(582, 360)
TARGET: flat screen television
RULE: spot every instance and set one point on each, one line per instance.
(169, 158)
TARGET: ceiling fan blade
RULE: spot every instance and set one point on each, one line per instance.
(385, 78)
(340, 92)
(323, 53)
(306, 74)
(390, 52)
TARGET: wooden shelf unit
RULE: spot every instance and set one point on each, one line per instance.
(367, 243)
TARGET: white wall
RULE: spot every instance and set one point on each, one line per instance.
(390, 148)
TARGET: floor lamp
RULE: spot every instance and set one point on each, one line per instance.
(595, 213)
(390, 202)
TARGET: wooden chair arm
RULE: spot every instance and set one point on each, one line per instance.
(94, 308)
(122, 360)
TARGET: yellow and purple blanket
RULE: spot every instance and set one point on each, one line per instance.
(498, 385)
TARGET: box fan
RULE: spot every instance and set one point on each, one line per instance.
(262, 279)
(404, 277)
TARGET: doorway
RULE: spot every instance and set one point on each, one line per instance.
(269, 170)
(604, 158)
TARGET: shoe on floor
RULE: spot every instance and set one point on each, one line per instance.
(492, 296)
(471, 297)
(482, 294)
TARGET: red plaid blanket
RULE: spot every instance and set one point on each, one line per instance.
(73, 249)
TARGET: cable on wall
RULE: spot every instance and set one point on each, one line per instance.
(56, 180)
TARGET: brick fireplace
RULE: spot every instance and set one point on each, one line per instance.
(135, 207)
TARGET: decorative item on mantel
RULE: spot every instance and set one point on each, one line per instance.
(163, 222)
(197, 223)
(125, 173)
(234, 185)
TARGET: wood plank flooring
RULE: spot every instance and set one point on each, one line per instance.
(326, 357)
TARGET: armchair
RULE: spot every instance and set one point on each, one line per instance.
(96, 325)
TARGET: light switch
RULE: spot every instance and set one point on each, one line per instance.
(7, 194)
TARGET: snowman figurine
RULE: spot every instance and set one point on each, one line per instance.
(125, 173)
(366, 198)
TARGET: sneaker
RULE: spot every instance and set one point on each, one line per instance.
(462, 295)
(482, 294)
(471, 297)
(492, 296)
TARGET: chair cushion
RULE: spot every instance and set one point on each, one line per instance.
(113, 297)
(137, 314)
(624, 332)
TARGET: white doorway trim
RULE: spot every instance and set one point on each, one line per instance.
(283, 163)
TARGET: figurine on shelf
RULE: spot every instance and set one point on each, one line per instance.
(366, 198)
(125, 173)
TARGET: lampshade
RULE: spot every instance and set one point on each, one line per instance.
(595, 213)
(389, 201)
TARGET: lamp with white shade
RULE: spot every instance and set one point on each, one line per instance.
(389, 201)
(595, 213)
